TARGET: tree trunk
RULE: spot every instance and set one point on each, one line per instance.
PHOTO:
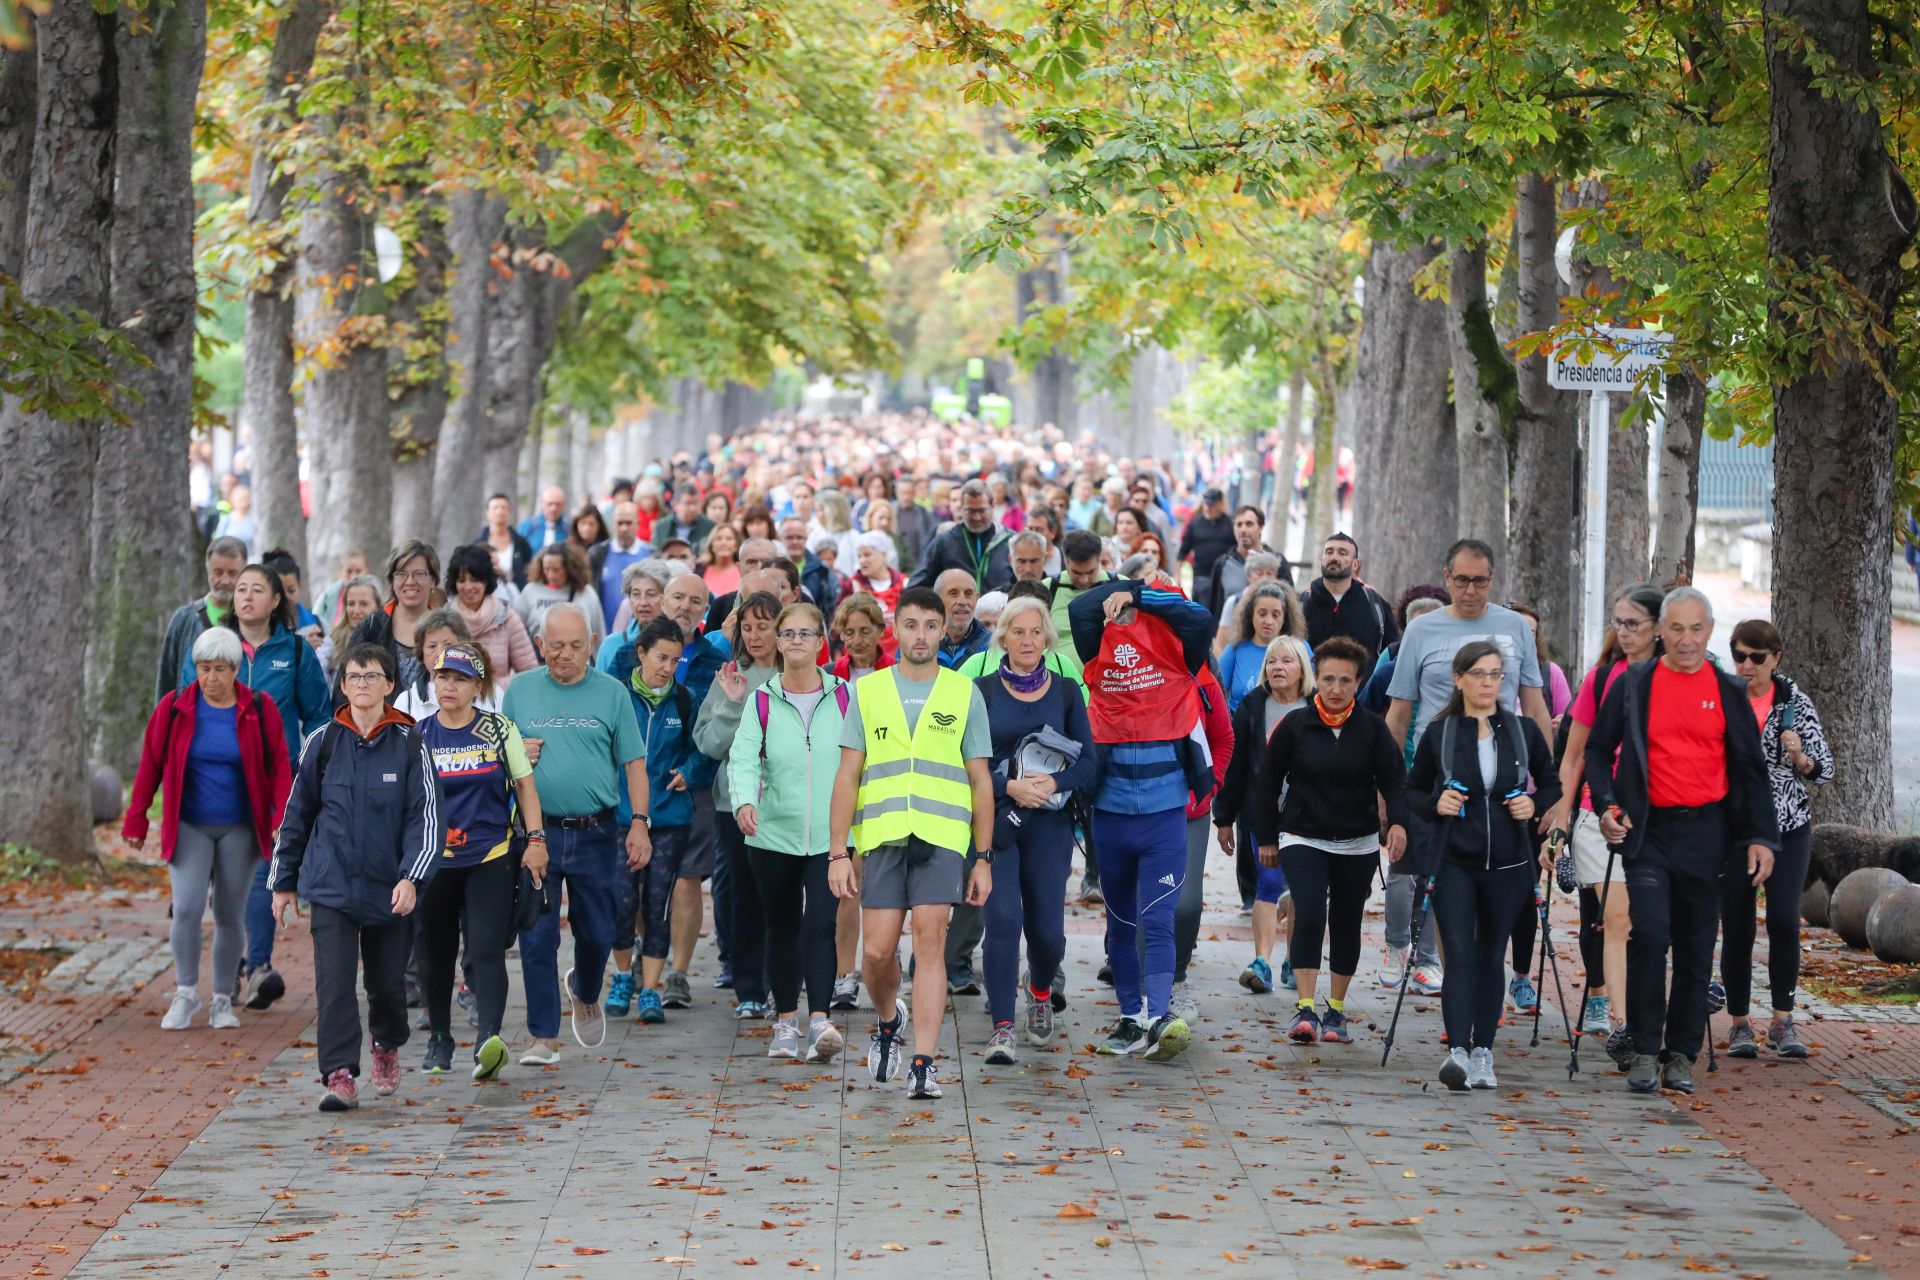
(1482, 400)
(1546, 436)
(18, 105)
(349, 457)
(1679, 477)
(1280, 505)
(1323, 498)
(417, 386)
(1405, 504)
(474, 224)
(413, 499)
(1836, 202)
(143, 535)
(267, 408)
(46, 486)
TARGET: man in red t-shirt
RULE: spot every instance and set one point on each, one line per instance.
(1687, 802)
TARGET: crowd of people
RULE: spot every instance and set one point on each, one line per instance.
(870, 681)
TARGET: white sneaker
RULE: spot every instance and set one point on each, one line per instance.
(1428, 979)
(1455, 1070)
(589, 1022)
(541, 1053)
(786, 1039)
(1480, 1070)
(1393, 964)
(180, 1013)
(220, 1017)
(823, 1041)
(1182, 1005)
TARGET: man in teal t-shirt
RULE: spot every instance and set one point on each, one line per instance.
(581, 722)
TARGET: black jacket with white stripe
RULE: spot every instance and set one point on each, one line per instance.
(364, 814)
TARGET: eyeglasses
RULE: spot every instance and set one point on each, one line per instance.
(1751, 655)
(363, 677)
(413, 575)
(1630, 625)
(791, 635)
(1478, 583)
(1481, 673)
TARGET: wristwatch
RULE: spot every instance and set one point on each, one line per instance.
(643, 820)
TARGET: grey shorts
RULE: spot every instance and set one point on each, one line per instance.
(899, 877)
(697, 862)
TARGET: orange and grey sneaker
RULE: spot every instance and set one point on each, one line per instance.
(1306, 1026)
(342, 1094)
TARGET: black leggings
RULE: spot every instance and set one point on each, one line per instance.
(1737, 925)
(1330, 892)
(1476, 911)
(747, 939)
(799, 937)
(485, 894)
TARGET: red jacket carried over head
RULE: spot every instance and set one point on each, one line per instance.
(163, 765)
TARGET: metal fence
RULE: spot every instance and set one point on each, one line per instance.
(1736, 477)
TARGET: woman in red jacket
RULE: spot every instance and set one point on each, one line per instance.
(216, 752)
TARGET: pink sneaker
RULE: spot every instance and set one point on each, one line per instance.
(341, 1094)
(386, 1070)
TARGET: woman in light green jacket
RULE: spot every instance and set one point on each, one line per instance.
(755, 661)
(782, 766)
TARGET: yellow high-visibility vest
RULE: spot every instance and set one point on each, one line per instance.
(914, 782)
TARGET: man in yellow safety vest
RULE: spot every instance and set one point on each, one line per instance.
(912, 797)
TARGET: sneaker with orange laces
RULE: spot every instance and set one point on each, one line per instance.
(386, 1070)
(341, 1094)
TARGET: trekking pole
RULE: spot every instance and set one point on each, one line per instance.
(1543, 901)
(1422, 901)
(1554, 840)
(1606, 886)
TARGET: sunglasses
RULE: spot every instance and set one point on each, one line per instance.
(1751, 655)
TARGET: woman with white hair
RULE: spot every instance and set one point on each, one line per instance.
(216, 752)
(878, 573)
(1032, 831)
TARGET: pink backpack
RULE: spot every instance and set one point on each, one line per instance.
(763, 707)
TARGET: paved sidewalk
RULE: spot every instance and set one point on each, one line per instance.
(683, 1150)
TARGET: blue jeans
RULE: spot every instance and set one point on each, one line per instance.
(260, 924)
(1029, 895)
(586, 861)
(1143, 863)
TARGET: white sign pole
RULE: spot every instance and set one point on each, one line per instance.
(1594, 615)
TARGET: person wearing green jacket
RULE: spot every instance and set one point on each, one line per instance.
(781, 769)
(749, 632)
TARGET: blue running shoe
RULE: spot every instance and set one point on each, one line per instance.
(1525, 998)
(1257, 977)
(650, 1007)
(620, 995)
(1286, 975)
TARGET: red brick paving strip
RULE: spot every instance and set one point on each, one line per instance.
(85, 1133)
(1849, 1165)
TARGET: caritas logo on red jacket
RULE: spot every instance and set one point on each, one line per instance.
(1138, 686)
